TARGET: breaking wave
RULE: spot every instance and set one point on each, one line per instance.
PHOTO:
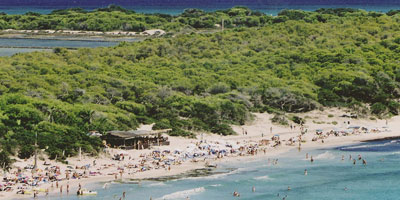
(182, 194)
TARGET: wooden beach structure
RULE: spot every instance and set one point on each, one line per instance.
(136, 139)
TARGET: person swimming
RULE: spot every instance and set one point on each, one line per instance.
(364, 162)
(312, 159)
(288, 188)
(236, 194)
(305, 172)
(354, 161)
(253, 189)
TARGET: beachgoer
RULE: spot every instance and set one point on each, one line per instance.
(342, 157)
(305, 172)
(306, 155)
(253, 189)
(364, 162)
(359, 157)
(123, 194)
(312, 159)
(288, 188)
(354, 161)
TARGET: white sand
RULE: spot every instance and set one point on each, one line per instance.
(260, 125)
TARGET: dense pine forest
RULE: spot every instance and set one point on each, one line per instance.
(295, 62)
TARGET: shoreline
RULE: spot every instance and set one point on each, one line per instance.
(81, 33)
(187, 166)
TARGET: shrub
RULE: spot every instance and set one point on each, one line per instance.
(378, 108)
(298, 120)
(219, 88)
(26, 151)
(223, 129)
(280, 119)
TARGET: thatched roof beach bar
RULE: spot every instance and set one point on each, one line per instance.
(136, 139)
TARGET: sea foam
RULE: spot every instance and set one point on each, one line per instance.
(182, 194)
(156, 184)
(326, 155)
(263, 178)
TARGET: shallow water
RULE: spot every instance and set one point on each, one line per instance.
(327, 178)
(11, 46)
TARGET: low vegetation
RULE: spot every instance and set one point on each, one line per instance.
(296, 62)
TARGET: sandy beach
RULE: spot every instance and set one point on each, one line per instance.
(259, 129)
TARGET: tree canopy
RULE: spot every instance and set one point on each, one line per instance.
(192, 82)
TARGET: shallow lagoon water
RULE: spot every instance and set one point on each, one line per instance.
(327, 178)
(11, 46)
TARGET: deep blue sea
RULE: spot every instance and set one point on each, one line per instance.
(329, 178)
(177, 6)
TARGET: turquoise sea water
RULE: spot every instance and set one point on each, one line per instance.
(329, 177)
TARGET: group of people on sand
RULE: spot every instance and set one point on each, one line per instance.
(121, 163)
